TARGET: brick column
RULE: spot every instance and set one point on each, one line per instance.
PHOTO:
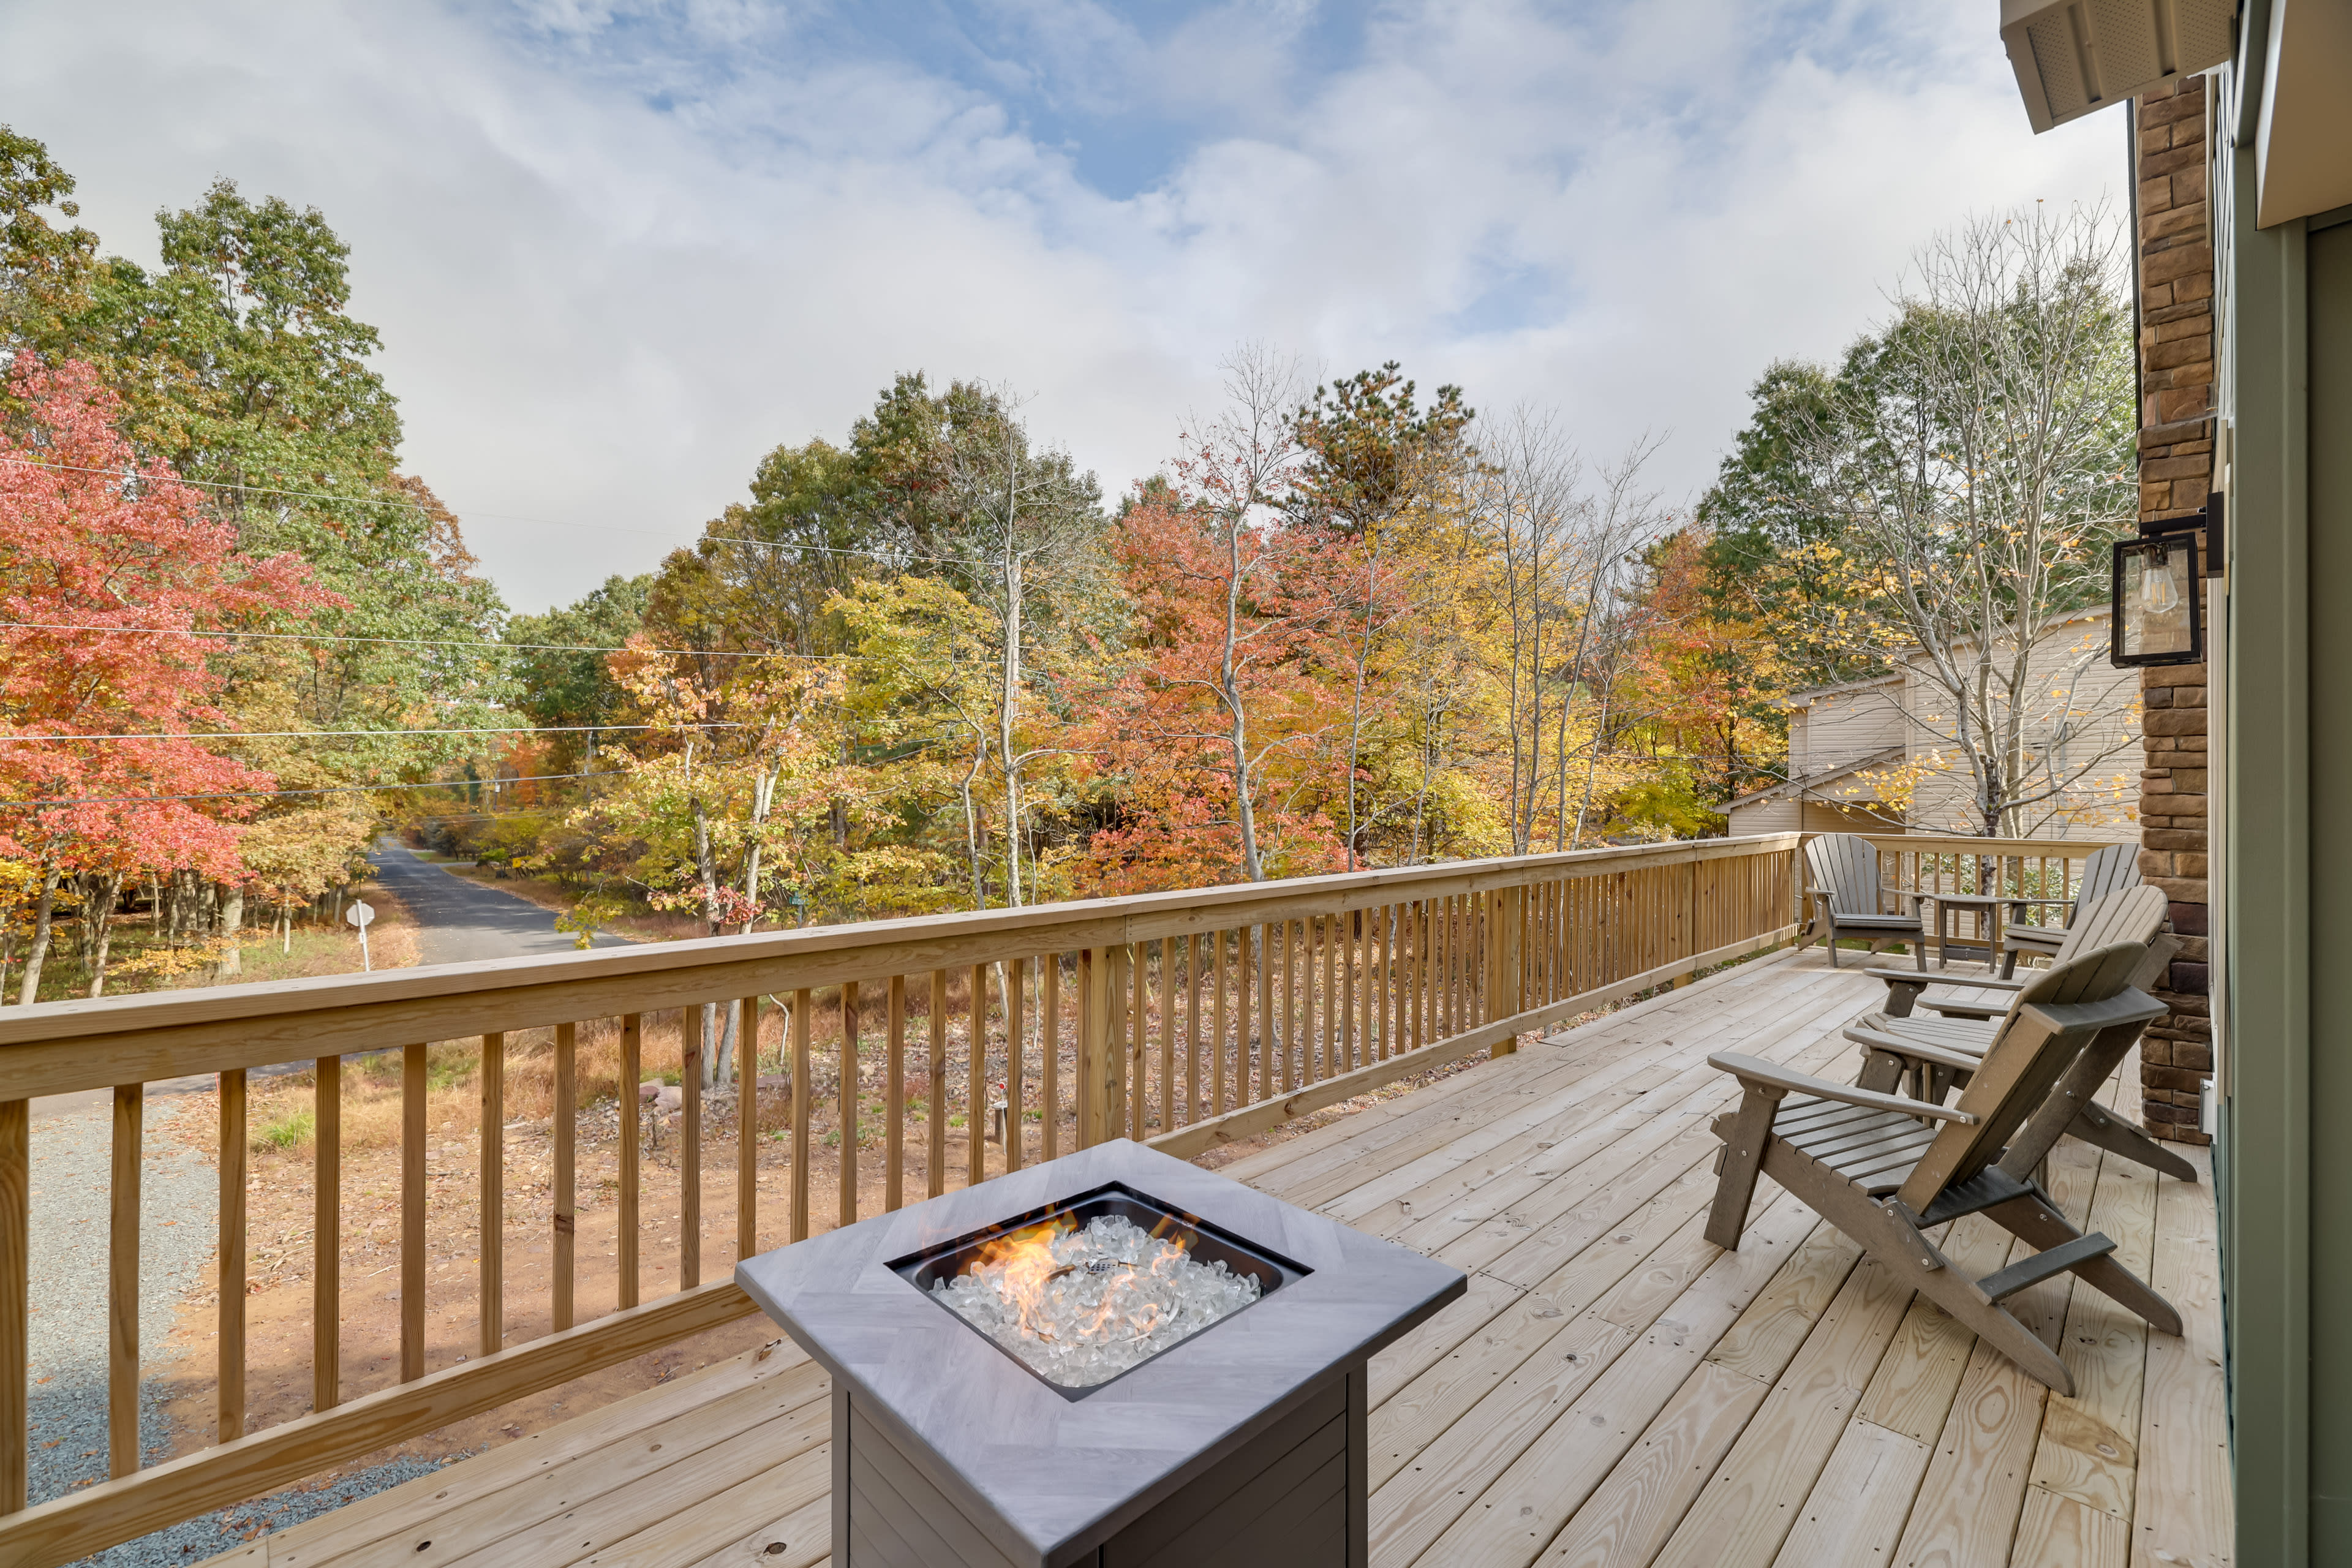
(2175, 465)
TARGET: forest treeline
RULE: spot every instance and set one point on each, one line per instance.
(928, 665)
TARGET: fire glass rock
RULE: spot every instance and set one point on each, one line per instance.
(1080, 1306)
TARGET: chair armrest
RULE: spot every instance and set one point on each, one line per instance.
(1914, 894)
(1754, 1070)
(1960, 983)
(1912, 1050)
(2129, 1007)
(1981, 1012)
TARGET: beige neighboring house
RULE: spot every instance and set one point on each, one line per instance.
(1856, 750)
(1840, 737)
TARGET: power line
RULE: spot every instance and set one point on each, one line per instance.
(501, 516)
(337, 734)
(280, 794)
(433, 642)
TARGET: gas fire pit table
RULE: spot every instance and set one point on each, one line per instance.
(1115, 1358)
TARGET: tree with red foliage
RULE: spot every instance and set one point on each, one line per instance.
(1224, 724)
(109, 568)
(1708, 680)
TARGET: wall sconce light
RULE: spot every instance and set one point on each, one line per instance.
(2158, 610)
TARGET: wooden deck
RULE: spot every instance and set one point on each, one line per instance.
(1612, 1390)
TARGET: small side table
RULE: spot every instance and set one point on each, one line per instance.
(1992, 909)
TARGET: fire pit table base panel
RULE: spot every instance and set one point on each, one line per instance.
(1292, 1497)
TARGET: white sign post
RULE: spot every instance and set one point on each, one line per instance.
(360, 914)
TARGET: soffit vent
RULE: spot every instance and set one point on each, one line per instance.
(2075, 56)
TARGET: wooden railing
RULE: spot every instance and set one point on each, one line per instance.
(2044, 869)
(1188, 1018)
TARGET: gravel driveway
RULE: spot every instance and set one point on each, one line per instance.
(178, 1188)
(71, 1160)
(458, 920)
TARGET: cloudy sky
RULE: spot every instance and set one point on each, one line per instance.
(617, 250)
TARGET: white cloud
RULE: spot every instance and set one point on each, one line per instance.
(618, 252)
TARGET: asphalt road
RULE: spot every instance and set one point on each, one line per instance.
(457, 919)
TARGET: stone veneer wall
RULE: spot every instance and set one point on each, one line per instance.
(2176, 467)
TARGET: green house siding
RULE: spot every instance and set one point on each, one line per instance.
(2327, 263)
(2287, 1154)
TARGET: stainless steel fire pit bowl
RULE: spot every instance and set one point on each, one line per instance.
(1243, 1444)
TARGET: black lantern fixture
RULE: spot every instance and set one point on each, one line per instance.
(2158, 597)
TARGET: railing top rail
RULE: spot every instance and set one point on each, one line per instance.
(55, 1045)
(1968, 844)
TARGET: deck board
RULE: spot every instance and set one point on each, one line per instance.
(1613, 1392)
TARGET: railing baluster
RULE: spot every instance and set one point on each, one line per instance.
(229, 1314)
(562, 1193)
(1218, 980)
(1297, 1002)
(747, 1130)
(1238, 1087)
(1286, 1036)
(1016, 995)
(122, 1284)
(16, 1300)
(691, 1045)
(1332, 1031)
(632, 1114)
(1193, 1027)
(935, 1176)
(1365, 987)
(1138, 1031)
(975, 1109)
(327, 1235)
(1050, 1048)
(1443, 1026)
(893, 1132)
(1380, 981)
(1450, 943)
(1265, 962)
(493, 1193)
(415, 1078)
(844, 1110)
(801, 1150)
(1167, 1033)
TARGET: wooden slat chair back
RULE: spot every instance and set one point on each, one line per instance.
(2024, 1063)
(1845, 866)
(2109, 870)
(1886, 1169)
(1939, 1053)
(2129, 914)
(1849, 902)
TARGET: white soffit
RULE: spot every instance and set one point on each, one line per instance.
(2073, 57)
(2303, 148)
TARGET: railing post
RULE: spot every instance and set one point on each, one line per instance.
(1504, 953)
(16, 1300)
(1102, 1043)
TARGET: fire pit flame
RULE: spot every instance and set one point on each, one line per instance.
(1081, 1306)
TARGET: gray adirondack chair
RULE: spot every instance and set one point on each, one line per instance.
(1938, 1053)
(1886, 1168)
(1850, 902)
(2110, 869)
(2131, 913)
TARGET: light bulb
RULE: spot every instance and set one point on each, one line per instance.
(2157, 596)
